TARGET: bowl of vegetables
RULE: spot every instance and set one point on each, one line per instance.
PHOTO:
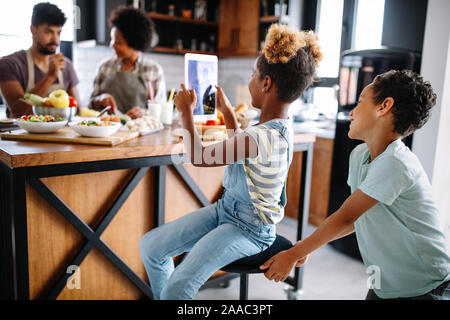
(57, 104)
(95, 128)
(41, 124)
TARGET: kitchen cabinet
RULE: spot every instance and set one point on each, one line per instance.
(243, 26)
(320, 182)
(238, 28)
(182, 28)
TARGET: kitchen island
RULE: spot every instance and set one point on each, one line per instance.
(72, 215)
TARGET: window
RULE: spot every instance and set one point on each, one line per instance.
(15, 21)
(329, 30)
(369, 24)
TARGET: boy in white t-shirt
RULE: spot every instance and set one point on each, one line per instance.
(391, 207)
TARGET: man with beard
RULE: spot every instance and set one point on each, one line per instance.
(38, 70)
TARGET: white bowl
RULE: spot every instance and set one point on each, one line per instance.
(95, 131)
(41, 127)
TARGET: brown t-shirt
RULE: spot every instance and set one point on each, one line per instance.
(14, 67)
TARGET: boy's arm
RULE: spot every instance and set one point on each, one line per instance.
(335, 226)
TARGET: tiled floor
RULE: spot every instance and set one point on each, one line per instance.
(328, 275)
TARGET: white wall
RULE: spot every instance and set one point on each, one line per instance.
(232, 71)
(431, 143)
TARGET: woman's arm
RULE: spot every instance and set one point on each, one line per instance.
(233, 149)
(335, 226)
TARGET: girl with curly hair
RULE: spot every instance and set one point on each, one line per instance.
(241, 223)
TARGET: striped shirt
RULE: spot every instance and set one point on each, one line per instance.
(267, 172)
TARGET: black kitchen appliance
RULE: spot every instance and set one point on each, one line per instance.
(357, 70)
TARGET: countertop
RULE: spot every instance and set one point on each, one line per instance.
(322, 129)
(17, 154)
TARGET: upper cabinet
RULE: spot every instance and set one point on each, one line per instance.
(227, 28)
(238, 28)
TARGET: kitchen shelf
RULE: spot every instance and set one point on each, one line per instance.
(268, 19)
(162, 16)
(160, 49)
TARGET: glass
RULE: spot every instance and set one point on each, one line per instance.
(154, 110)
(167, 113)
(3, 112)
(369, 24)
(329, 31)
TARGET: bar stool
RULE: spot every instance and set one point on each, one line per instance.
(251, 264)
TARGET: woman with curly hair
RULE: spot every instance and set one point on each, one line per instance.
(242, 222)
(124, 82)
(391, 208)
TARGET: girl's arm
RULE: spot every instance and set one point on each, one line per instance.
(335, 226)
(235, 148)
(224, 106)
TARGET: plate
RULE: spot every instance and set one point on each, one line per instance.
(147, 132)
(95, 131)
(41, 127)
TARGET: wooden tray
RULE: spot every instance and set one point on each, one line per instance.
(67, 135)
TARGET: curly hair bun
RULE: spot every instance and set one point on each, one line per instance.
(283, 43)
(312, 43)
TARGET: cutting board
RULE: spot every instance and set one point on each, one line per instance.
(67, 135)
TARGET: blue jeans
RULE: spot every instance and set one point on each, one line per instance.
(214, 236)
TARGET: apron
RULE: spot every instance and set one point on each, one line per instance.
(235, 178)
(128, 90)
(31, 83)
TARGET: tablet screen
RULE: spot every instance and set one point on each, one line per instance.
(201, 75)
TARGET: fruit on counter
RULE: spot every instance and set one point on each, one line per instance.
(73, 102)
(34, 99)
(84, 112)
(59, 99)
(56, 99)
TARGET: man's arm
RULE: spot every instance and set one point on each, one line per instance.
(13, 93)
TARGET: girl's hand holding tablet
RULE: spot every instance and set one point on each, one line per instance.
(185, 101)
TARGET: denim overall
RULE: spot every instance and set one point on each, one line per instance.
(214, 236)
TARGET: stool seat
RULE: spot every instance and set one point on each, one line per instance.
(252, 263)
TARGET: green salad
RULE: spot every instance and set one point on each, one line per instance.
(48, 118)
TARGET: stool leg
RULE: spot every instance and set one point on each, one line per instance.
(243, 291)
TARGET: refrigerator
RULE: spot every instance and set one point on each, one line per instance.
(357, 70)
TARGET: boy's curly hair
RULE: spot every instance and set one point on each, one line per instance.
(135, 25)
(290, 57)
(413, 98)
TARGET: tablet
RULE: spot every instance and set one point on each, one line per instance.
(200, 72)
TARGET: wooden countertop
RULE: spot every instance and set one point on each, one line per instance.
(17, 154)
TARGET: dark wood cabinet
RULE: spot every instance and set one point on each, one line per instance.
(238, 28)
(228, 28)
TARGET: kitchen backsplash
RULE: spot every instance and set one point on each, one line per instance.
(234, 73)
